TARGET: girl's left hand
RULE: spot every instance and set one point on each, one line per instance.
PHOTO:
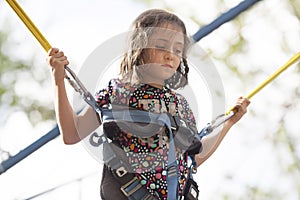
(239, 109)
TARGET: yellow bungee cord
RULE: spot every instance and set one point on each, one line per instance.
(75, 83)
(88, 97)
(30, 25)
(270, 78)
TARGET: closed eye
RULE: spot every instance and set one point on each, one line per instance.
(160, 47)
(178, 51)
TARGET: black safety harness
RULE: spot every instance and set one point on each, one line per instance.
(180, 135)
(146, 124)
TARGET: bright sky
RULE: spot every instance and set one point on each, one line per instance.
(78, 27)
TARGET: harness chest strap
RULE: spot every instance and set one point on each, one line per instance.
(145, 124)
(131, 186)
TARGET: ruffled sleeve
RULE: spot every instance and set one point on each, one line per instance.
(185, 111)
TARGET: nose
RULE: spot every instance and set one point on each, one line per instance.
(168, 55)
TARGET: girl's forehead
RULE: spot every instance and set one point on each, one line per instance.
(169, 32)
(171, 26)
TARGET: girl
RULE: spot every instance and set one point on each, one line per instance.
(154, 65)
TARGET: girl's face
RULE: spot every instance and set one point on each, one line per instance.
(162, 55)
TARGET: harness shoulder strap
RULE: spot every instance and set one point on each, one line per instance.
(145, 122)
(161, 119)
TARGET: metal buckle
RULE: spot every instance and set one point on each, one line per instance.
(194, 192)
(96, 140)
(134, 189)
(183, 123)
(172, 171)
(175, 122)
(121, 171)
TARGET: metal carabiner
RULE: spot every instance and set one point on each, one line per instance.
(220, 119)
(81, 89)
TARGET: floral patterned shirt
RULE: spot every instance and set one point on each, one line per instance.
(148, 156)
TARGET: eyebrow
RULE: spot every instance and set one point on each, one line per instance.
(165, 40)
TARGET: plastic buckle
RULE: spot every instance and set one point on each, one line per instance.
(121, 171)
(194, 192)
(191, 192)
(175, 122)
(131, 187)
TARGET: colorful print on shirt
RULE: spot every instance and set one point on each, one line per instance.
(148, 156)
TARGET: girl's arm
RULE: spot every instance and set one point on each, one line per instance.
(73, 127)
(211, 142)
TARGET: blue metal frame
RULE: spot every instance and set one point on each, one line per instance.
(204, 31)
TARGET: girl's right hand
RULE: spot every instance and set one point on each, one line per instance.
(57, 61)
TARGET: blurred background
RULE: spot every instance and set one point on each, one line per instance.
(258, 159)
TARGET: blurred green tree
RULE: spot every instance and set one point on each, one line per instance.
(17, 77)
(245, 50)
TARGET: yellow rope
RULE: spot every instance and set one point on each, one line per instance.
(45, 44)
(30, 25)
(274, 75)
(270, 78)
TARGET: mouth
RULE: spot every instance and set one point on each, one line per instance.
(167, 66)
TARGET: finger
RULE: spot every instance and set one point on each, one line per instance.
(53, 51)
(59, 54)
(60, 58)
(241, 107)
(243, 101)
(237, 107)
(240, 100)
(247, 101)
(60, 61)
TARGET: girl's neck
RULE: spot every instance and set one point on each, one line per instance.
(156, 85)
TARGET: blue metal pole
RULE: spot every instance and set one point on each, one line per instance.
(205, 30)
(225, 17)
(11, 161)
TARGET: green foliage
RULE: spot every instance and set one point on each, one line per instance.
(295, 7)
(232, 51)
(14, 73)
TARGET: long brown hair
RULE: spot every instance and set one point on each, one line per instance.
(139, 37)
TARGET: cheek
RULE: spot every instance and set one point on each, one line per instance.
(177, 63)
(151, 56)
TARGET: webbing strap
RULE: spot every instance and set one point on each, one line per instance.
(135, 116)
(160, 119)
(172, 176)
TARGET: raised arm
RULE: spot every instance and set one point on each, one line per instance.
(73, 127)
(211, 142)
